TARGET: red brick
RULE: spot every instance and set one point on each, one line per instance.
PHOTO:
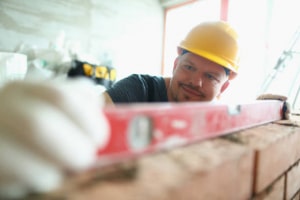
(220, 169)
(215, 169)
(277, 148)
(293, 181)
(274, 192)
(296, 197)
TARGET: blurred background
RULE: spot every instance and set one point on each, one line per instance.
(141, 36)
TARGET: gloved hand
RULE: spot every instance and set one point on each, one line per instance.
(47, 129)
(286, 110)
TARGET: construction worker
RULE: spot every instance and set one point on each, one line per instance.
(50, 128)
(207, 60)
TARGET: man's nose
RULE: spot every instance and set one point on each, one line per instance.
(197, 80)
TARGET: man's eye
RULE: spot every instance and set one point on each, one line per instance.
(188, 67)
(211, 77)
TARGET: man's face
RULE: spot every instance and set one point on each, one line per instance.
(196, 79)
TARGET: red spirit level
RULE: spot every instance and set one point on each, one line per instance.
(142, 128)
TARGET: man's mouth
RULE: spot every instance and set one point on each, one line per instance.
(190, 90)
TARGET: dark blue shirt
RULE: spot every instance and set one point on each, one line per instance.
(138, 88)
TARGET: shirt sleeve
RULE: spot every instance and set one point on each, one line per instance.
(129, 90)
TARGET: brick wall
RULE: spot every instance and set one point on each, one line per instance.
(260, 163)
(275, 164)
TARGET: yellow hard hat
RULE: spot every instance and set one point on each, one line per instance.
(217, 41)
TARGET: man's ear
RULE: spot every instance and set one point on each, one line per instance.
(179, 51)
(175, 63)
(224, 86)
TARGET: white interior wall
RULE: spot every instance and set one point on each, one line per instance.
(129, 32)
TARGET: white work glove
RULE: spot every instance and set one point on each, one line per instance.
(47, 129)
(286, 110)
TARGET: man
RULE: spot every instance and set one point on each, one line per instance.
(207, 60)
(50, 128)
